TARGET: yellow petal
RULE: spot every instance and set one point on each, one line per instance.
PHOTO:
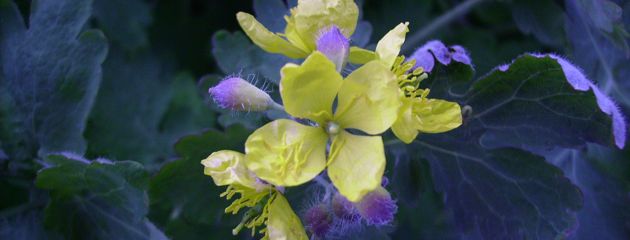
(368, 99)
(361, 56)
(308, 91)
(405, 126)
(286, 153)
(226, 167)
(265, 39)
(436, 116)
(294, 37)
(282, 223)
(312, 16)
(356, 164)
(388, 48)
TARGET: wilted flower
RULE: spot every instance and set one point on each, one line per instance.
(335, 46)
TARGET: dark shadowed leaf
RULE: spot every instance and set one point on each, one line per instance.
(96, 199)
(49, 76)
(124, 21)
(542, 18)
(502, 193)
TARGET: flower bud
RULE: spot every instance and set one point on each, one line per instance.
(318, 220)
(237, 94)
(226, 167)
(343, 208)
(335, 46)
(377, 207)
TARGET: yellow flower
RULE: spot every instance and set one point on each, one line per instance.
(417, 113)
(304, 25)
(226, 168)
(287, 153)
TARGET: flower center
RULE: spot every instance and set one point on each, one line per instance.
(332, 128)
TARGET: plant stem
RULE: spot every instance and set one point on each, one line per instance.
(440, 22)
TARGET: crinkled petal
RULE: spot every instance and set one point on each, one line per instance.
(282, 222)
(311, 17)
(226, 167)
(436, 116)
(368, 99)
(388, 47)
(405, 126)
(361, 56)
(356, 164)
(265, 39)
(308, 90)
(286, 153)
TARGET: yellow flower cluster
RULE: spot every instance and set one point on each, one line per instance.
(382, 93)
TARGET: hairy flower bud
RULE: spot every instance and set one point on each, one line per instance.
(377, 207)
(318, 220)
(236, 94)
(335, 46)
(344, 209)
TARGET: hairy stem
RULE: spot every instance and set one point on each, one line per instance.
(439, 22)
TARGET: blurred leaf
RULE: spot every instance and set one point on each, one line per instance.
(28, 225)
(124, 21)
(271, 14)
(96, 200)
(597, 172)
(236, 55)
(158, 109)
(50, 73)
(133, 98)
(184, 201)
(603, 58)
(542, 18)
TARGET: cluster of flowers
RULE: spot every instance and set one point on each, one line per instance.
(335, 124)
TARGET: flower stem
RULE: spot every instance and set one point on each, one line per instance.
(439, 22)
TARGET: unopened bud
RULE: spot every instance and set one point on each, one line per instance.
(318, 220)
(335, 46)
(237, 94)
(343, 208)
(377, 207)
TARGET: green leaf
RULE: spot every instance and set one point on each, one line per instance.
(49, 77)
(502, 193)
(532, 106)
(184, 201)
(96, 199)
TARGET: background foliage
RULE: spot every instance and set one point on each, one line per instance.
(104, 117)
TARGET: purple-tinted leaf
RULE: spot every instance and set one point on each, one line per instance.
(542, 102)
